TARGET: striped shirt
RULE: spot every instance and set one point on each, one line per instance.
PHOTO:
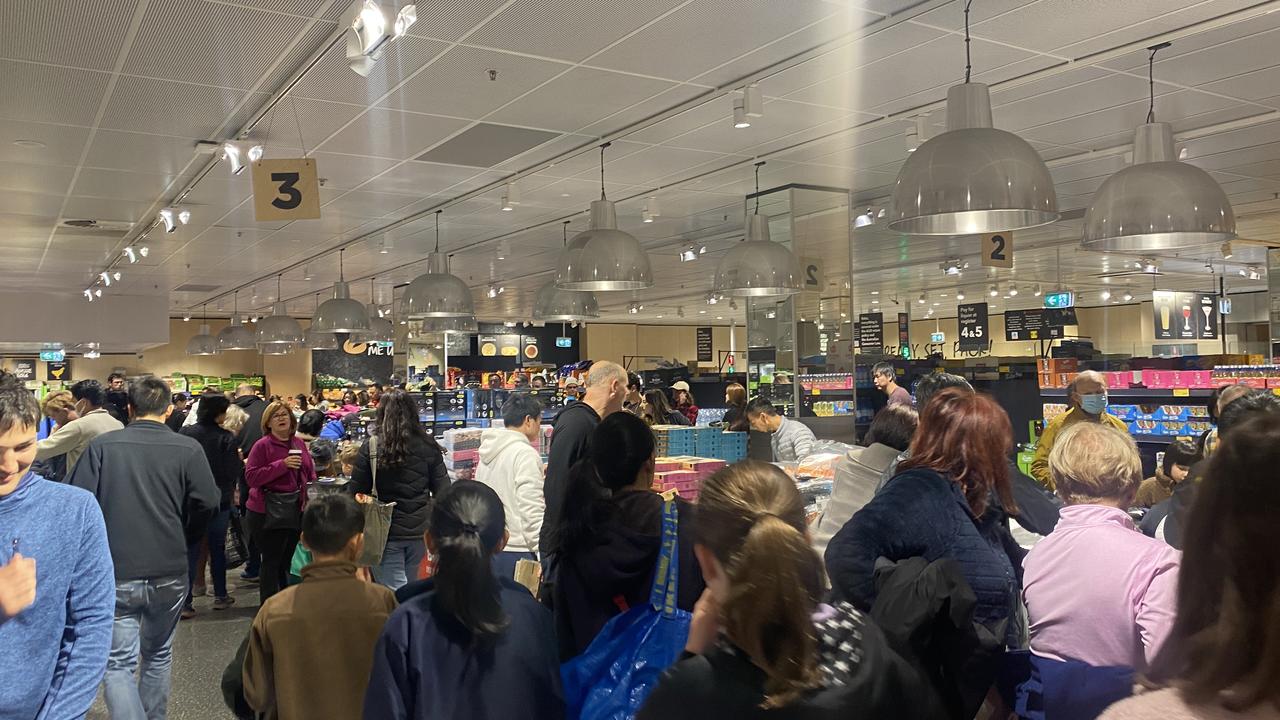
(792, 441)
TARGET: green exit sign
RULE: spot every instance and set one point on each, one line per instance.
(52, 355)
(1060, 300)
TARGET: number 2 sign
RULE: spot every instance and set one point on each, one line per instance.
(997, 250)
(285, 189)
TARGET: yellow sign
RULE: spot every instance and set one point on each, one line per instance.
(285, 189)
(1181, 392)
(997, 250)
(352, 347)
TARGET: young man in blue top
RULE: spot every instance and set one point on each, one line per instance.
(57, 589)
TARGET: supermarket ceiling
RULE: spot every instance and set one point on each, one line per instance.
(105, 100)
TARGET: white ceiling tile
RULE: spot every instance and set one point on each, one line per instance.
(643, 167)
(1131, 21)
(1123, 118)
(567, 29)
(106, 209)
(420, 178)
(368, 204)
(24, 203)
(392, 134)
(50, 94)
(121, 185)
(63, 143)
(301, 122)
(578, 98)
(222, 188)
(332, 79)
(449, 20)
(349, 171)
(782, 118)
(169, 108)
(139, 152)
(458, 84)
(66, 32)
(43, 179)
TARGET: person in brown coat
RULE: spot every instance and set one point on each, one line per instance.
(311, 646)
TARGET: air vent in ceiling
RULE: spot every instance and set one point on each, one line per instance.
(486, 145)
(97, 228)
(193, 287)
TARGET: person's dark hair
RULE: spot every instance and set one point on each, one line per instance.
(752, 518)
(149, 396)
(893, 427)
(1213, 403)
(303, 404)
(349, 397)
(362, 398)
(91, 391)
(1240, 409)
(1224, 647)
(311, 423)
(115, 376)
(518, 407)
(934, 383)
(633, 381)
(617, 450)
(761, 406)
(398, 425)
(966, 437)
(323, 451)
(657, 411)
(211, 408)
(1179, 452)
(467, 525)
(116, 403)
(18, 406)
(883, 368)
(330, 522)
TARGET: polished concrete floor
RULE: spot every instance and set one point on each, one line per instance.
(201, 650)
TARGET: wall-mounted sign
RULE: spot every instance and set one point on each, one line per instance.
(1184, 315)
(57, 372)
(488, 345)
(52, 355)
(285, 189)
(811, 274)
(355, 347)
(530, 347)
(1060, 299)
(973, 320)
(24, 370)
(705, 353)
(997, 250)
(871, 332)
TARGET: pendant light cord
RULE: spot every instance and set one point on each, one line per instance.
(758, 165)
(1151, 79)
(566, 232)
(438, 230)
(602, 148)
(968, 61)
(341, 276)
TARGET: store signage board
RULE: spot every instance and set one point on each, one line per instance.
(1031, 325)
(529, 347)
(904, 334)
(871, 332)
(24, 370)
(57, 372)
(285, 189)
(973, 321)
(1060, 300)
(1184, 315)
(52, 355)
(705, 353)
(997, 250)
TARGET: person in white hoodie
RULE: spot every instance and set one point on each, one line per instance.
(511, 465)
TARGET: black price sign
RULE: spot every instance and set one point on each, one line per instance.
(871, 332)
(974, 331)
(1031, 325)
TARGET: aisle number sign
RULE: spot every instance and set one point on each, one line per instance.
(997, 250)
(285, 189)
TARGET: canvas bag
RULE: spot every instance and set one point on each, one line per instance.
(377, 516)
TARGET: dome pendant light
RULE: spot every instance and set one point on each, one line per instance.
(316, 340)
(380, 329)
(1158, 202)
(972, 178)
(279, 333)
(202, 343)
(235, 336)
(757, 266)
(437, 293)
(340, 314)
(555, 305)
(603, 258)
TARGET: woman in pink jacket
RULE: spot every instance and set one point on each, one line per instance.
(278, 471)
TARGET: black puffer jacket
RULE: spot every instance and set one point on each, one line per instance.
(410, 485)
(224, 457)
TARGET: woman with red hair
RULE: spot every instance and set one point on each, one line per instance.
(947, 500)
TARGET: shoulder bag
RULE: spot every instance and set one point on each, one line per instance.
(284, 509)
(377, 515)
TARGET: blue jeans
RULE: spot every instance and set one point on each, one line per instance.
(146, 615)
(217, 538)
(400, 562)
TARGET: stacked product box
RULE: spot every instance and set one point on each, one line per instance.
(1057, 372)
(733, 446)
(674, 440)
(684, 475)
(1168, 379)
(462, 452)
(1168, 420)
(706, 442)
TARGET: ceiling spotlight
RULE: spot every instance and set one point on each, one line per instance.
(97, 292)
(1013, 291)
(922, 299)
(106, 278)
(166, 217)
(712, 299)
(875, 302)
(959, 294)
(1038, 291)
(740, 115)
(131, 254)
(88, 294)
(993, 291)
(634, 308)
(255, 153)
(383, 244)
(1226, 250)
(753, 100)
(231, 153)
(954, 268)
(651, 208)
(368, 36)
(865, 219)
(645, 216)
(186, 317)
(1105, 294)
(92, 354)
(116, 275)
(184, 216)
(1127, 296)
(1252, 272)
(1148, 265)
(680, 311)
(144, 251)
(510, 197)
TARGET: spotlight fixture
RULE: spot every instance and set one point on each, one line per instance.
(740, 120)
(144, 251)
(753, 100)
(184, 216)
(97, 292)
(384, 244)
(634, 308)
(368, 36)
(917, 133)
(993, 291)
(106, 278)
(1127, 296)
(712, 298)
(692, 253)
(922, 299)
(1038, 291)
(1251, 272)
(1226, 250)
(166, 217)
(1013, 291)
(92, 353)
(960, 295)
(306, 272)
(510, 197)
(1148, 266)
(131, 255)
(954, 268)
(255, 153)
(864, 219)
(88, 294)
(1105, 294)
(186, 317)
(231, 153)
(495, 291)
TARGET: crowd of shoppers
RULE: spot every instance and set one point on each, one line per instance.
(920, 605)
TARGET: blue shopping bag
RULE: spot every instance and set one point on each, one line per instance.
(621, 666)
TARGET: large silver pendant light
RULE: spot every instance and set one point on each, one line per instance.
(757, 266)
(603, 258)
(972, 178)
(439, 325)
(380, 329)
(279, 333)
(235, 336)
(202, 343)
(1158, 202)
(555, 305)
(437, 293)
(340, 314)
(316, 340)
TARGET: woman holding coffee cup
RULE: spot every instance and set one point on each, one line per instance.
(278, 471)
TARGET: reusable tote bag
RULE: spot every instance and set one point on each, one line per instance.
(377, 516)
(618, 670)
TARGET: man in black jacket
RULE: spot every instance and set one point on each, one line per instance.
(156, 490)
(248, 400)
(606, 389)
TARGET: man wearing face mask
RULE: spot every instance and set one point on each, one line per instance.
(71, 439)
(1087, 397)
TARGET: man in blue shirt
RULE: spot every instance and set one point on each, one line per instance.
(57, 589)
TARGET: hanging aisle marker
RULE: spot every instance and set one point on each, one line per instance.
(997, 250)
(286, 189)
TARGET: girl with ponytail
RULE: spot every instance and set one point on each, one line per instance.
(762, 644)
(466, 643)
(610, 534)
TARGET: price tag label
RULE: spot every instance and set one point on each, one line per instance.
(285, 189)
(1181, 392)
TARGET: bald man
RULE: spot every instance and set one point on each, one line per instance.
(1087, 398)
(606, 388)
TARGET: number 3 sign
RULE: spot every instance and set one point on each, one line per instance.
(285, 189)
(997, 250)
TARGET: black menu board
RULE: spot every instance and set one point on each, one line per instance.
(871, 332)
(973, 320)
(1030, 325)
(1184, 315)
(704, 345)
